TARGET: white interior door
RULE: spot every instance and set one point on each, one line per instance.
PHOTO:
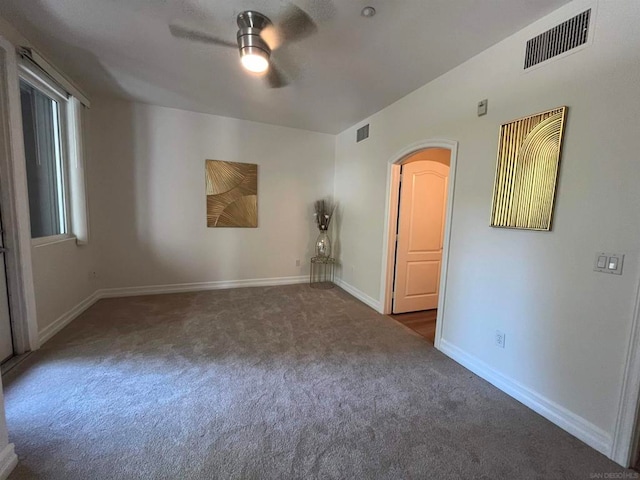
(421, 218)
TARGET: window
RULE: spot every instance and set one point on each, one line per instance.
(52, 121)
(43, 123)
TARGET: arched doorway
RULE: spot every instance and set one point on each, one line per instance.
(432, 285)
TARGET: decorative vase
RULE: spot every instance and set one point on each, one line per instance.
(323, 245)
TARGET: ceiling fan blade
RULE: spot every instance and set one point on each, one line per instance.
(295, 25)
(275, 78)
(271, 36)
(197, 36)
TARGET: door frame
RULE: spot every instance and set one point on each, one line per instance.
(391, 223)
(626, 434)
(14, 202)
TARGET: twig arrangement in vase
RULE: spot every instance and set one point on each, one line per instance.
(323, 212)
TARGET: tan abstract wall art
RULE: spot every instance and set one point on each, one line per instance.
(527, 171)
(232, 194)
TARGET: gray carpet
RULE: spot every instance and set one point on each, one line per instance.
(267, 383)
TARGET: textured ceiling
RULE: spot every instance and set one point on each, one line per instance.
(351, 68)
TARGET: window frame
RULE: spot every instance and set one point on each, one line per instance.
(36, 79)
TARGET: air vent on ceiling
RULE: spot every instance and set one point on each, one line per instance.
(557, 40)
(362, 133)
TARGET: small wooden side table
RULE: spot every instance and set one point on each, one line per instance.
(322, 270)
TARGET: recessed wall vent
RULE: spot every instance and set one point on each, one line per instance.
(362, 133)
(557, 40)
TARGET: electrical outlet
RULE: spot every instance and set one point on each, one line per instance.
(500, 338)
(297, 263)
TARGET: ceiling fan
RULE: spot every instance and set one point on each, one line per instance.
(257, 38)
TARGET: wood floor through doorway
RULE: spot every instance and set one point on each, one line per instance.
(422, 322)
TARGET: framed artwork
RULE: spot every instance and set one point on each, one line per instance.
(232, 194)
(527, 171)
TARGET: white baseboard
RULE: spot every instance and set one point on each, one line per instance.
(199, 286)
(8, 461)
(577, 426)
(66, 318)
(363, 297)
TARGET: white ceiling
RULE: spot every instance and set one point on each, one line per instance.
(351, 68)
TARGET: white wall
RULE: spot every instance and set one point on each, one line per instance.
(62, 279)
(150, 188)
(566, 326)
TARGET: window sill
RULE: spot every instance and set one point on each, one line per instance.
(52, 240)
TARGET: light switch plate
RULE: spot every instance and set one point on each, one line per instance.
(482, 107)
(618, 260)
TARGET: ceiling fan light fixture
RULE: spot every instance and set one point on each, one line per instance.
(254, 59)
(254, 51)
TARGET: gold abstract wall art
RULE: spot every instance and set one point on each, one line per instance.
(527, 171)
(232, 194)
